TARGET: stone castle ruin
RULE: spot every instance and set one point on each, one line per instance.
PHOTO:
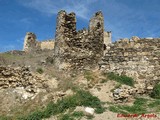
(72, 48)
(31, 44)
(136, 57)
(81, 48)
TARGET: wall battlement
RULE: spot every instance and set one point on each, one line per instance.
(66, 34)
(78, 49)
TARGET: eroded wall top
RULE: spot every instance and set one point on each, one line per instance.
(78, 49)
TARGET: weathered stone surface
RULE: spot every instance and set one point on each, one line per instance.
(78, 49)
(135, 38)
(107, 38)
(32, 45)
(30, 42)
(125, 93)
(139, 59)
(19, 77)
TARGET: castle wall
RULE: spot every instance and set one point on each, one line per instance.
(96, 35)
(49, 45)
(32, 45)
(137, 58)
(78, 49)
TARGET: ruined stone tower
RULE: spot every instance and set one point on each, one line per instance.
(96, 34)
(78, 49)
(65, 31)
(32, 45)
(29, 42)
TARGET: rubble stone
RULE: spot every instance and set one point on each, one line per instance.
(139, 59)
(18, 77)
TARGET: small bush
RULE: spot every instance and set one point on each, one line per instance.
(5, 118)
(78, 114)
(51, 109)
(123, 79)
(156, 91)
(66, 117)
(88, 100)
(153, 104)
(39, 70)
(137, 108)
(140, 101)
(75, 115)
(133, 109)
(81, 98)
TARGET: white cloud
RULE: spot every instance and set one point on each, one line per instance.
(49, 7)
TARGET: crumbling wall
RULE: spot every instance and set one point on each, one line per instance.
(78, 49)
(49, 45)
(19, 77)
(137, 58)
(31, 44)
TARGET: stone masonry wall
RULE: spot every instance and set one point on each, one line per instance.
(137, 58)
(107, 38)
(31, 44)
(78, 49)
(47, 44)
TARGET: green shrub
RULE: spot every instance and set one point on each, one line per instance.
(140, 101)
(66, 117)
(81, 98)
(123, 79)
(137, 108)
(88, 100)
(39, 70)
(153, 104)
(156, 91)
(140, 106)
(5, 118)
(51, 109)
(78, 114)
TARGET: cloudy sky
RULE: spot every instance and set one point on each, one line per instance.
(125, 18)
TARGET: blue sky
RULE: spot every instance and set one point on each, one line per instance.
(125, 18)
